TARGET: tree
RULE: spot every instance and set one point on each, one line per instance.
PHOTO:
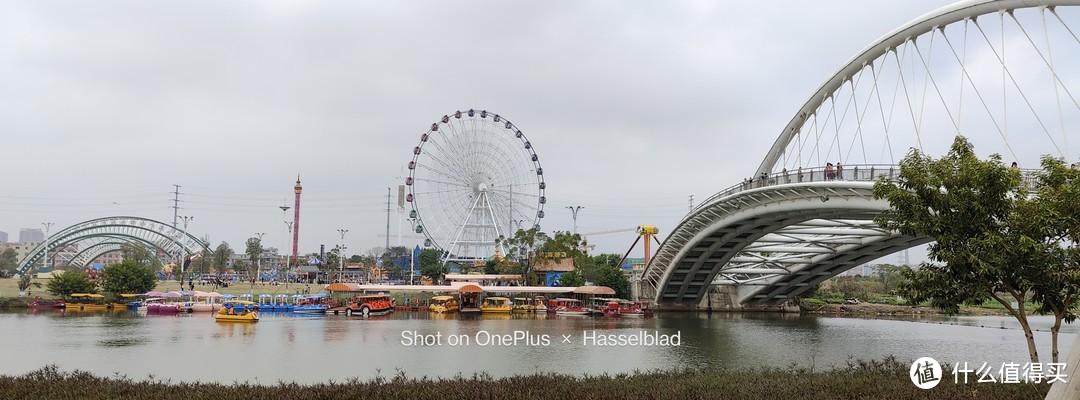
(392, 271)
(222, 254)
(993, 238)
(240, 267)
(127, 276)
(522, 248)
(571, 279)
(890, 275)
(594, 262)
(333, 260)
(376, 252)
(200, 265)
(8, 262)
(25, 282)
(253, 249)
(71, 281)
(431, 264)
(613, 277)
(139, 254)
(1052, 216)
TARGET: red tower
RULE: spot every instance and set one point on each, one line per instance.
(296, 220)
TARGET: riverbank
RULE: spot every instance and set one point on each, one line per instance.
(889, 310)
(859, 380)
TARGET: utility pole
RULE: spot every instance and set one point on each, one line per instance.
(341, 255)
(46, 261)
(575, 209)
(176, 203)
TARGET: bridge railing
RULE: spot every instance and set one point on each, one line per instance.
(858, 172)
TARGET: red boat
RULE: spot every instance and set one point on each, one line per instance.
(607, 308)
(567, 306)
(39, 304)
(629, 308)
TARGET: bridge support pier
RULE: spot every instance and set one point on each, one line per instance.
(725, 298)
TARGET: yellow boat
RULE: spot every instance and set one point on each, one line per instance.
(238, 311)
(523, 305)
(496, 305)
(87, 302)
(443, 304)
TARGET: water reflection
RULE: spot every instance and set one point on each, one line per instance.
(233, 329)
(338, 347)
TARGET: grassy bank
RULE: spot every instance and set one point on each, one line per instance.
(860, 380)
(9, 288)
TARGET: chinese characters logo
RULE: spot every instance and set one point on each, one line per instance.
(925, 373)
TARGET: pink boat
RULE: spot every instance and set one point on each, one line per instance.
(203, 302)
(157, 305)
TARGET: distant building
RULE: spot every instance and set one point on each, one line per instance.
(22, 248)
(31, 235)
(109, 258)
(3, 237)
(269, 261)
(550, 270)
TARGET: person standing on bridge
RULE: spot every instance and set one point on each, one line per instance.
(839, 171)
(829, 173)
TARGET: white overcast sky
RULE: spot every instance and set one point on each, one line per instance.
(633, 106)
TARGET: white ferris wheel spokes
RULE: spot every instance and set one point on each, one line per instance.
(473, 177)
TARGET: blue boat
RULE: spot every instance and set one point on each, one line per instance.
(282, 304)
(311, 304)
(266, 302)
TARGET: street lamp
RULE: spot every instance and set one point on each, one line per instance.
(180, 260)
(46, 261)
(288, 260)
(284, 239)
(341, 255)
(575, 209)
(258, 257)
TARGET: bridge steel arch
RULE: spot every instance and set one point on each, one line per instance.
(764, 242)
(936, 19)
(771, 242)
(79, 244)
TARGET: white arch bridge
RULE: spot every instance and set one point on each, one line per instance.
(1001, 72)
(79, 244)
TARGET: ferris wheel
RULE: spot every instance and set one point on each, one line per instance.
(473, 177)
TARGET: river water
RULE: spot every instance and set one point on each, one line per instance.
(308, 349)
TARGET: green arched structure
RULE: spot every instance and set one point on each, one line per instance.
(79, 244)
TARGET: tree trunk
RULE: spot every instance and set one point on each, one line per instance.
(1034, 352)
(1054, 335)
(1020, 313)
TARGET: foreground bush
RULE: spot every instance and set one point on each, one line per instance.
(860, 380)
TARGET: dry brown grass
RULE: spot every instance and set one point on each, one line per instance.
(858, 380)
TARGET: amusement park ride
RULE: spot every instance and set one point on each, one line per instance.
(647, 232)
(474, 176)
